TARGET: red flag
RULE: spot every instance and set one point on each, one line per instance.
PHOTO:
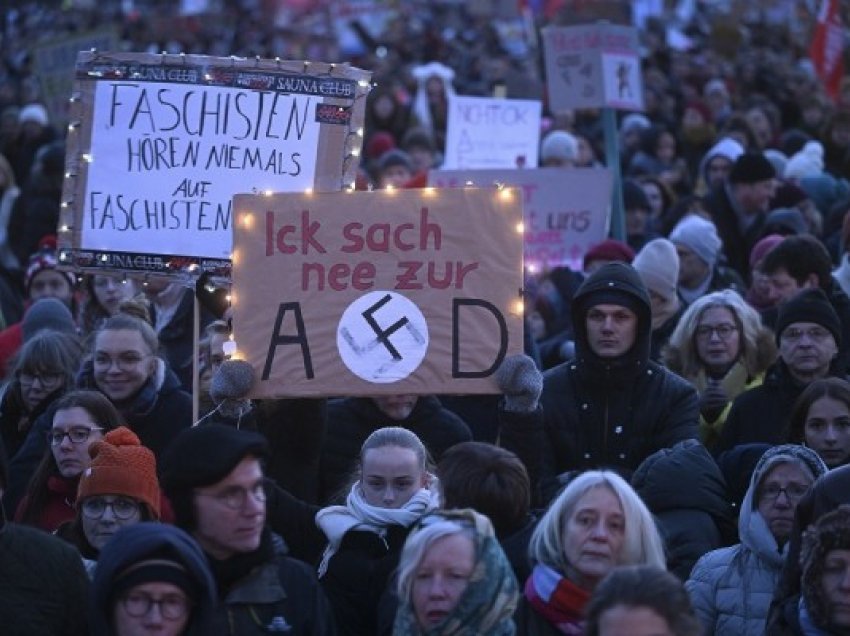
(827, 49)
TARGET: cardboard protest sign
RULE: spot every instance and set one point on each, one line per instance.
(54, 64)
(566, 210)
(161, 143)
(384, 292)
(593, 66)
(492, 133)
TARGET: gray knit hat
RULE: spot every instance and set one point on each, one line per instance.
(700, 236)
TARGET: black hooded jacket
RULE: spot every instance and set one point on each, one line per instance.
(603, 413)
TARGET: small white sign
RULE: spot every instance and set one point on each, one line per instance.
(492, 133)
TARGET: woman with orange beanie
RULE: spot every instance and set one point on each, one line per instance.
(119, 488)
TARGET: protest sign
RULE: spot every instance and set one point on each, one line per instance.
(566, 210)
(492, 133)
(392, 296)
(54, 64)
(161, 143)
(593, 66)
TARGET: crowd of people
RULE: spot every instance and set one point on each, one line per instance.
(670, 455)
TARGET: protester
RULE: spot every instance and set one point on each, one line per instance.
(494, 482)
(394, 488)
(79, 419)
(43, 585)
(125, 367)
(721, 348)
(104, 294)
(45, 368)
(739, 205)
(213, 477)
(699, 250)
(808, 333)
(641, 600)
(454, 578)
(596, 524)
(657, 263)
(627, 406)
(352, 420)
(821, 420)
(152, 578)
(119, 488)
(731, 588)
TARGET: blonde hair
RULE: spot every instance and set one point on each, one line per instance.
(758, 350)
(642, 544)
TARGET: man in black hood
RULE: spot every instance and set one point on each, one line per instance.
(610, 406)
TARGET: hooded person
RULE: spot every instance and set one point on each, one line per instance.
(148, 556)
(731, 588)
(717, 162)
(610, 406)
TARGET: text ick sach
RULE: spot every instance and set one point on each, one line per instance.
(303, 238)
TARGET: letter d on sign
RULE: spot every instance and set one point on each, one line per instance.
(457, 303)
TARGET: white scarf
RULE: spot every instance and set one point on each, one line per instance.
(336, 521)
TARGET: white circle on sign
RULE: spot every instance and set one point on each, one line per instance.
(382, 337)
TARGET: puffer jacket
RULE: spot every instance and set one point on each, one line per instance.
(603, 413)
(685, 491)
(731, 588)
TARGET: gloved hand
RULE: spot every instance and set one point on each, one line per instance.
(712, 401)
(521, 382)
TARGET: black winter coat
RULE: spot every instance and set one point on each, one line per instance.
(685, 491)
(737, 245)
(352, 420)
(358, 575)
(43, 585)
(762, 413)
(599, 412)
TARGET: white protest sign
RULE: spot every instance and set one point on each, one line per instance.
(565, 210)
(593, 66)
(492, 133)
(163, 143)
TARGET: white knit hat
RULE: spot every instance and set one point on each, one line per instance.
(806, 163)
(33, 112)
(559, 144)
(700, 236)
(658, 266)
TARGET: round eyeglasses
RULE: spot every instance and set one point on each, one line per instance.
(122, 508)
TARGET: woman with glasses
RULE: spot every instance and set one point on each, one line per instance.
(721, 347)
(125, 367)
(119, 488)
(44, 369)
(79, 419)
(394, 488)
(821, 420)
(597, 523)
(454, 578)
(153, 578)
(731, 588)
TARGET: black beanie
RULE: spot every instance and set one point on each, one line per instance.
(201, 456)
(751, 167)
(810, 305)
(830, 532)
(155, 569)
(634, 198)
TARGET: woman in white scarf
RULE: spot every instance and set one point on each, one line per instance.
(394, 488)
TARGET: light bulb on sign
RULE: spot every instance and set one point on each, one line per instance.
(229, 347)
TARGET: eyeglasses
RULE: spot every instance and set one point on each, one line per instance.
(171, 606)
(794, 492)
(45, 379)
(122, 508)
(724, 332)
(77, 435)
(235, 497)
(815, 334)
(124, 361)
